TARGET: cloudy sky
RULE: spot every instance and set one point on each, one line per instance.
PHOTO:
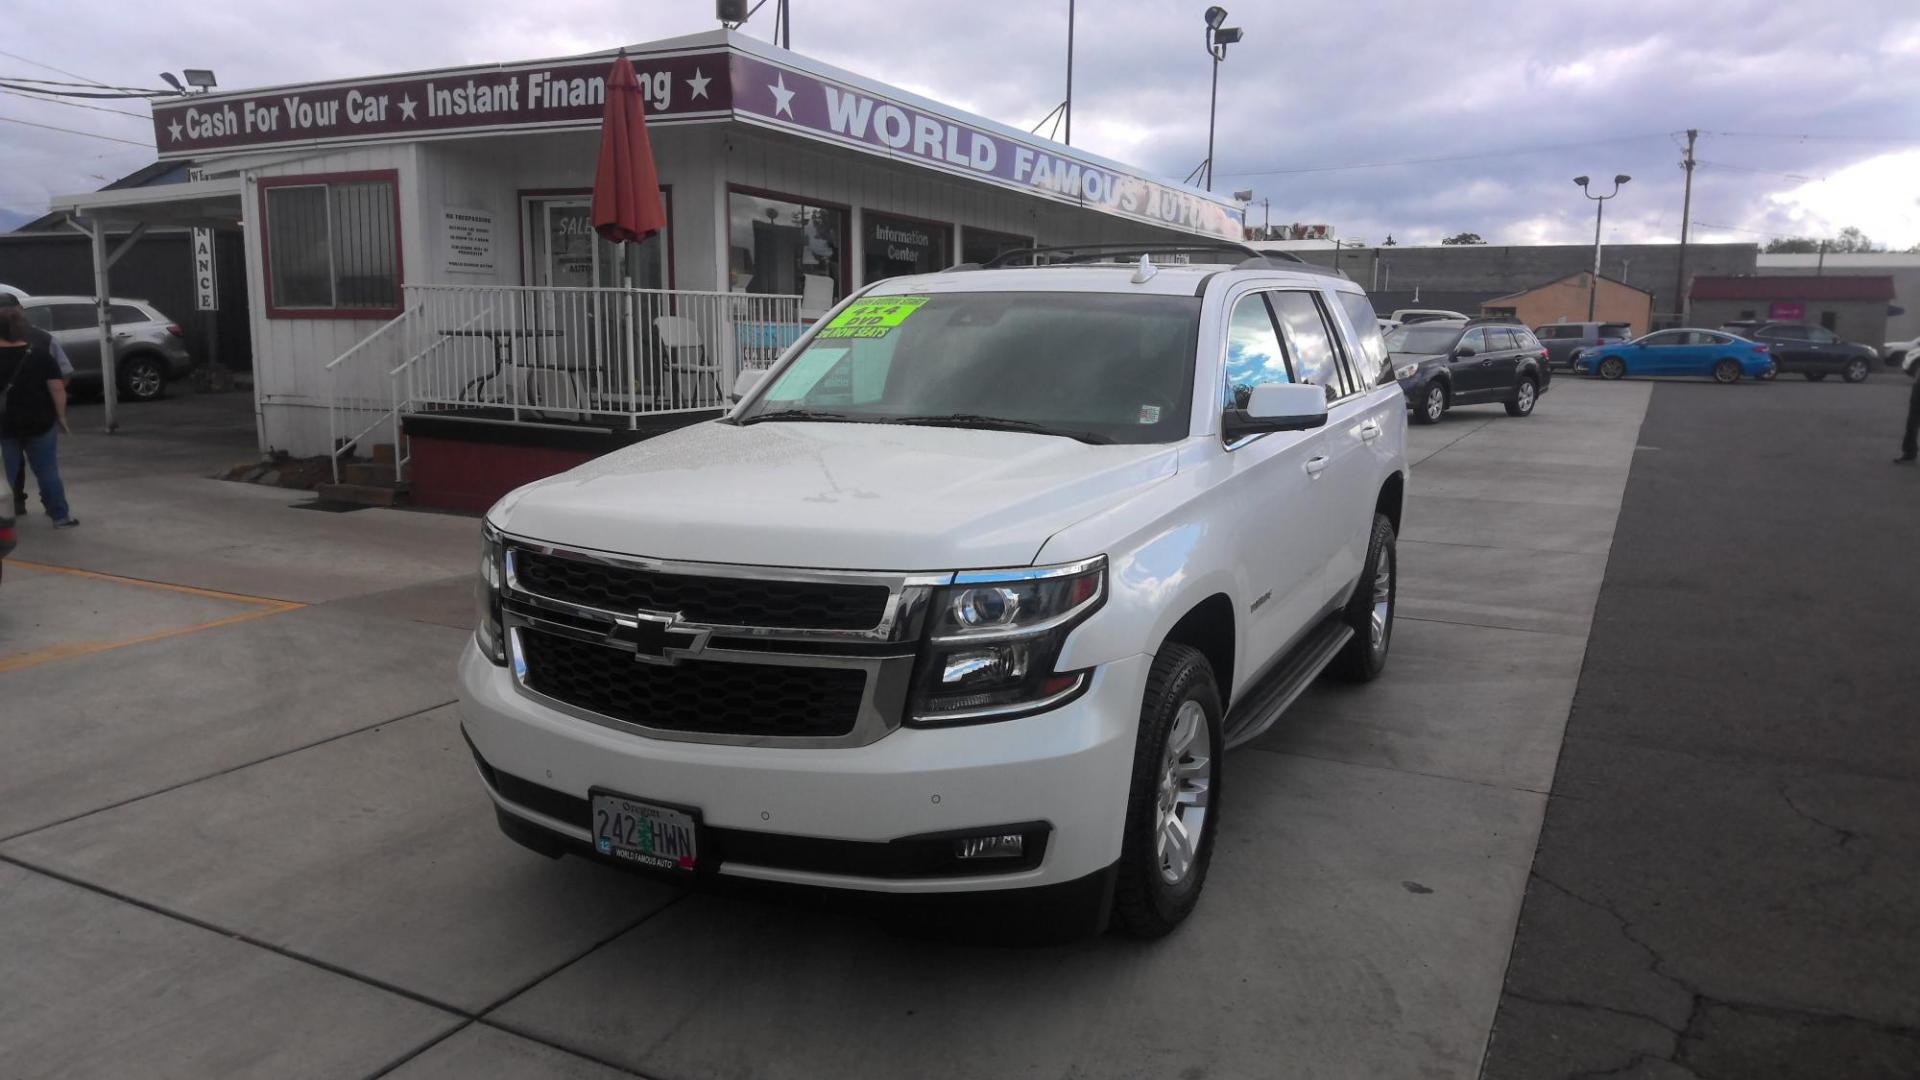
(1417, 119)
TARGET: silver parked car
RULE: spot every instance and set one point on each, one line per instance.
(1566, 341)
(149, 349)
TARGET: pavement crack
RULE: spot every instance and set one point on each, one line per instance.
(1847, 836)
(1569, 1003)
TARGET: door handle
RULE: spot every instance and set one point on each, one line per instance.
(1316, 465)
(1369, 431)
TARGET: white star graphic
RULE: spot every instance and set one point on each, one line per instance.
(173, 129)
(782, 97)
(698, 83)
(406, 107)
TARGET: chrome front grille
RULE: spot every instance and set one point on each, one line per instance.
(750, 655)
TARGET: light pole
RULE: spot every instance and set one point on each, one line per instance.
(1218, 38)
(1599, 210)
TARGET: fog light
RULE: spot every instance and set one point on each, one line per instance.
(1007, 846)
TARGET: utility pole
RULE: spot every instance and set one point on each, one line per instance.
(1266, 223)
(1686, 212)
(1069, 72)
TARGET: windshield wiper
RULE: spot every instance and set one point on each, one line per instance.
(798, 414)
(997, 423)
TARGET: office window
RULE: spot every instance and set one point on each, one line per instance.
(985, 245)
(332, 247)
(782, 246)
(894, 246)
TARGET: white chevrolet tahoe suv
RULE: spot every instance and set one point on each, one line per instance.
(969, 593)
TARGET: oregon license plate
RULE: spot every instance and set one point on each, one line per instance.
(642, 832)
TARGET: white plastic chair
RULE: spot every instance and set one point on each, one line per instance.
(687, 359)
(816, 295)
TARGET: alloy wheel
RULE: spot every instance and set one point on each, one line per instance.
(1726, 371)
(1524, 397)
(1612, 367)
(1436, 403)
(1857, 371)
(1381, 618)
(144, 380)
(1186, 773)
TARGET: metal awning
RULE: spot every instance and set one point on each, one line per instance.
(198, 204)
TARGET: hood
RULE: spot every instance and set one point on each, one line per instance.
(833, 496)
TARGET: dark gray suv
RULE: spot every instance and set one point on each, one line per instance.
(1565, 340)
(149, 349)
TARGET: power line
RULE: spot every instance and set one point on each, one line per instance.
(75, 131)
(50, 67)
(1818, 138)
(1506, 152)
(71, 104)
(44, 86)
(1763, 172)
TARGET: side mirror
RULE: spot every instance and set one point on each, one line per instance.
(1464, 351)
(744, 382)
(1277, 407)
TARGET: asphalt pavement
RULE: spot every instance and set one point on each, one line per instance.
(1726, 882)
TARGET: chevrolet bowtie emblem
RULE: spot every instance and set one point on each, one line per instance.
(656, 637)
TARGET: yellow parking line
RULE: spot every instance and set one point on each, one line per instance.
(188, 589)
(264, 606)
(84, 648)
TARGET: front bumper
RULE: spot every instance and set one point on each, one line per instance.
(1068, 769)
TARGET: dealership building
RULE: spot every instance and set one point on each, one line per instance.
(426, 286)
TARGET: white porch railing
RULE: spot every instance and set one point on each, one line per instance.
(526, 354)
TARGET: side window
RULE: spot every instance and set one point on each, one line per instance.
(1475, 339)
(1371, 364)
(1254, 356)
(121, 314)
(73, 317)
(1788, 333)
(1314, 357)
(1502, 339)
(1556, 333)
(1821, 335)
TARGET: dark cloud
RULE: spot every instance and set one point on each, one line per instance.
(1524, 95)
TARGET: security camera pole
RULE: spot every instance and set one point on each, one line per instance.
(1599, 209)
(1218, 38)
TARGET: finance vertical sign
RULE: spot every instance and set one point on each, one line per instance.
(206, 279)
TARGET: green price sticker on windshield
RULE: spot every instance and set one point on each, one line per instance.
(872, 317)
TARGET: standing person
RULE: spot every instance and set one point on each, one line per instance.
(34, 412)
(36, 339)
(1910, 444)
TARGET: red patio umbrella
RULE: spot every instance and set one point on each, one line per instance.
(626, 189)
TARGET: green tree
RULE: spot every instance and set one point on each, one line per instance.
(1464, 238)
(1792, 245)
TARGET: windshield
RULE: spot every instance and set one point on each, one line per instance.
(1423, 338)
(1101, 367)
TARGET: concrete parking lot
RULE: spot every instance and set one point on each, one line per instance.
(240, 834)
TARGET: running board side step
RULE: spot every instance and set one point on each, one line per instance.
(1261, 704)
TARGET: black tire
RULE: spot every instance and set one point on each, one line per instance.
(1815, 376)
(1525, 396)
(143, 377)
(1432, 404)
(1145, 903)
(1726, 371)
(1612, 367)
(1364, 658)
(1769, 375)
(1856, 370)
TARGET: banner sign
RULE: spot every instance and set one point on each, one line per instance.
(1787, 310)
(206, 279)
(714, 84)
(785, 98)
(566, 94)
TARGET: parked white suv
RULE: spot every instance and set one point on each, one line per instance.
(968, 594)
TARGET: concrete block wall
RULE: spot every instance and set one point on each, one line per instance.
(1488, 270)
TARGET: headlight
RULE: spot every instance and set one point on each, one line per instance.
(993, 639)
(1405, 372)
(486, 596)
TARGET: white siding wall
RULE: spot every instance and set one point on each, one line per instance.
(698, 162)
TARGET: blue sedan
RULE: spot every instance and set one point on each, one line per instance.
(1721, 357)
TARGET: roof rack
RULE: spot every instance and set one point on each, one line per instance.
(1251, 258)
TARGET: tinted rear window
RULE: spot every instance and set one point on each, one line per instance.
(127, 313)
(1616, 330)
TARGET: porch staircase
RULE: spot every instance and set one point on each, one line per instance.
(371, 483)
